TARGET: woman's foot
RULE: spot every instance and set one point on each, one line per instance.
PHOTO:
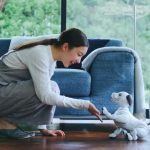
(15, 133)
(52, 132)
(7, 125)
(10, 130)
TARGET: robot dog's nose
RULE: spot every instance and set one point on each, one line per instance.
(114, 95)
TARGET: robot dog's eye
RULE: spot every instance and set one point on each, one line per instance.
(119, 94)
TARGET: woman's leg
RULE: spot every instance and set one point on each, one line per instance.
(19, 104)
(13, 98)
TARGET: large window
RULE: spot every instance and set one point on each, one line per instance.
(29, 17)
(128, 20)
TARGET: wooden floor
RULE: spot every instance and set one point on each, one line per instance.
(76, 140)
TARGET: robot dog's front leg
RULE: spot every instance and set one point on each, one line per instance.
(107, 113)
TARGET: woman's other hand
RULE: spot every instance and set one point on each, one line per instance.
(47, 132)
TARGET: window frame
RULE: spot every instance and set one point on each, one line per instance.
(63, 14)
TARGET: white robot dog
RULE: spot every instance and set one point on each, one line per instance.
(132, 127)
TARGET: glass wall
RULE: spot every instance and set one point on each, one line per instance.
(128, 20)
(29, 17)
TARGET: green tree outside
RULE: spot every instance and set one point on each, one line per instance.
(26, 17)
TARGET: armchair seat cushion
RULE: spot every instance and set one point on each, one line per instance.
(73, 82)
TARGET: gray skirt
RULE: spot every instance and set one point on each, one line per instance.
(18, 100)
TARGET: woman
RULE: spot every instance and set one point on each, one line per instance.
(27, 95)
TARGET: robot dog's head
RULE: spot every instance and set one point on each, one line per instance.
(122, 98)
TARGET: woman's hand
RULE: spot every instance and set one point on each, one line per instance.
(52, 132)
(93, 110)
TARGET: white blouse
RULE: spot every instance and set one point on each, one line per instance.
(41, 65)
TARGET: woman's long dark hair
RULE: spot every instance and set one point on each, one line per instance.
(74, 37)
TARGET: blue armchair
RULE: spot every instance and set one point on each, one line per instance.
(105, 70)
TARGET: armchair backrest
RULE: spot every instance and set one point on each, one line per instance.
(115, 69)
(4, 45)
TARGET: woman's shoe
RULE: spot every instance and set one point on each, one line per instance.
(15, 133)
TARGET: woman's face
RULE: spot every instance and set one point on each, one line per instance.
(74, 55)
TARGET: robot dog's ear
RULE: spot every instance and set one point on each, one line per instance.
(129, 99)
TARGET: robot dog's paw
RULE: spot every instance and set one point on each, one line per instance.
(105, 111)
(129, 137)
(112, 135)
